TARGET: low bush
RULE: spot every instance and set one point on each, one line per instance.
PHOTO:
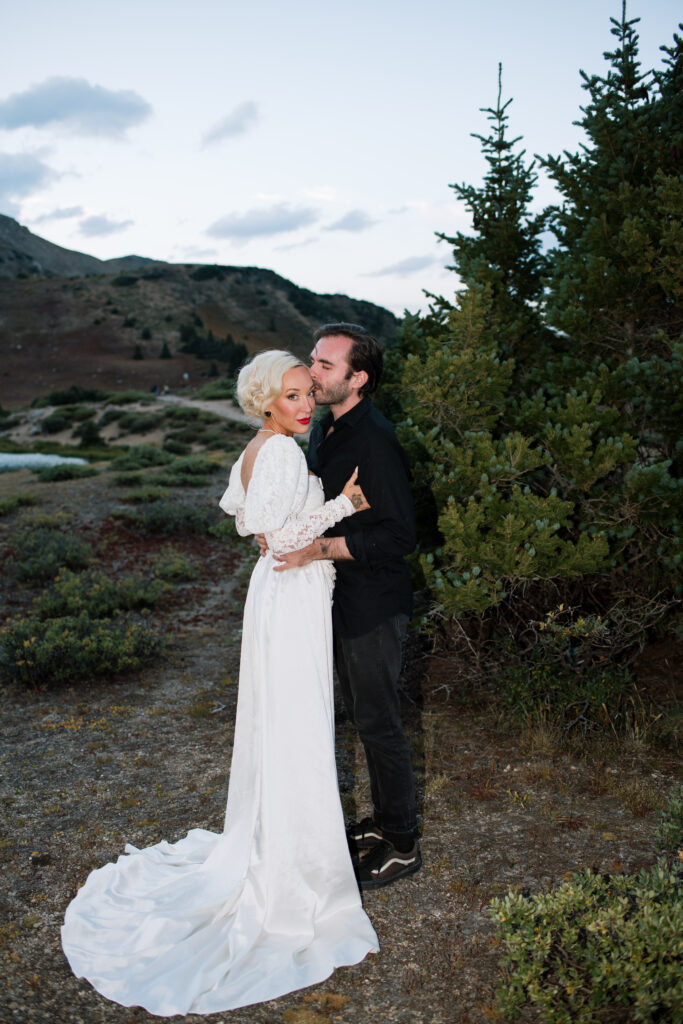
(167, 518)
(78, 413)
(145, 495)
(128, 397)
(74, 395)
(64, 471)
(128, 479)
(596, 945)
(43, 549)
(97, 594)
(139, 422)
(15, 502)
(174, 567)
(55, 423)
(176, 447)
(54, 651)
(188, 471)
(194, 434)
(141, 457)
(178, 414)
(218, 390)
(670, 828)
(109, 416)
(541, 692)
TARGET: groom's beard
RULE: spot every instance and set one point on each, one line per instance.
(333, 394)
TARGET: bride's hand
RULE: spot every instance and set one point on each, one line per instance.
(354, 493)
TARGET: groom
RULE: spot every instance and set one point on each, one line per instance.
(372, 595)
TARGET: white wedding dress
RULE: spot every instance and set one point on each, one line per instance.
(270, 905)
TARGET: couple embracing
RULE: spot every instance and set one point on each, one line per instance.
(272, 904)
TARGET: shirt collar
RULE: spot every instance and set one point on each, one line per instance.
(350, 418)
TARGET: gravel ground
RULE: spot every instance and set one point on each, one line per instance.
(88, 768)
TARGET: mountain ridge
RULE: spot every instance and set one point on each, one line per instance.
(69, 318)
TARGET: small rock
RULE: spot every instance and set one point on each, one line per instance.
(40, 860)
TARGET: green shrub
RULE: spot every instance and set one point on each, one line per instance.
(189, 471)
(97, 594)
(78, 413)
(89, 435)
(176, 447)
(128, 479)
(55, 423)
(193, 434)
(36, 652)
(670, 828)
(128, 397)
(174, 567)
(74, 395)
(537, 691)
(145, 495)
(217, 390)
(43, 550)
(16, 501)
(64, 471)
(595, 944)
(140, 422)
(191, 414)
(166, 518)
(142, 456)
(109, 416)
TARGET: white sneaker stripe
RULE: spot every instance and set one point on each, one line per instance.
(394, 860)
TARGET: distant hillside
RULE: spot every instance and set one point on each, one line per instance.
(68, 318)
(23, 254)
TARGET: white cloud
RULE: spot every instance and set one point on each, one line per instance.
(76, 105)
(272, 220)
(102, 225)
(20, 175)
(62, 213)
(237, 122)
(327, 193)
(296, 245)
(354, 220)
(196, 252)
(403, 268)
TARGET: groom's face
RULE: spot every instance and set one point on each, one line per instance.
(333, 378)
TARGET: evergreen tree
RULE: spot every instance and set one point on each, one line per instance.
(615, 279)
(504, 253)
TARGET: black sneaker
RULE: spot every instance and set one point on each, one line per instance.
(385, 864)
(361, 836)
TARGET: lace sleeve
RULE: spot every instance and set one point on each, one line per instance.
(298, 533)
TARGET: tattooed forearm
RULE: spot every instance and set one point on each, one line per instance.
(332, 547)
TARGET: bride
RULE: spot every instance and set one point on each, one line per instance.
(271, 904)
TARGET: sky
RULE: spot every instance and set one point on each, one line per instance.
(317, 139)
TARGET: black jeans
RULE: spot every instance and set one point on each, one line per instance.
(368, 667)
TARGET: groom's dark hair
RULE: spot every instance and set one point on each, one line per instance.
(365, 353)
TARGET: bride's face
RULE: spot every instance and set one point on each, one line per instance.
(291, 412)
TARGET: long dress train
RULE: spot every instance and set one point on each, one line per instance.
(270, 905)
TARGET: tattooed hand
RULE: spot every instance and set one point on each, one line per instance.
(354, 493)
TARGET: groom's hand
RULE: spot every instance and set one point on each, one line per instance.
(260, 539)
(296, 559)
(322, 548)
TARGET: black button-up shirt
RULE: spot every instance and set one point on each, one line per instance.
(376, 584)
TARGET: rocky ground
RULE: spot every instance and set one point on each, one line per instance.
(87, 768)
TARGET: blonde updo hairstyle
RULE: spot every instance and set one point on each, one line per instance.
(260, 380)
